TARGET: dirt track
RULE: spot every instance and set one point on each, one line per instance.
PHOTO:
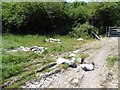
(95, 78)
(78, 78)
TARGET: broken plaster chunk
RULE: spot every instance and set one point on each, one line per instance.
(87, 67)
(62, 60)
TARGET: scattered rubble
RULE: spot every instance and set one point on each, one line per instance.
(35, 49)
(71, 63)
(53, 40)
(45, 75)
(73, 60)
(75, 81)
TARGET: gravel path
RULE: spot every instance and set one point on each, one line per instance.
(78, 78)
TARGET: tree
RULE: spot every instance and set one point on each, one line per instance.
(35, 18)
(105, 16)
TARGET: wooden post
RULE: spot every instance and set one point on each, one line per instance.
(106, 31)
(96, 36)
(109, 31)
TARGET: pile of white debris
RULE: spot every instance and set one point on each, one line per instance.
(35, 49)
(80, 39)
(53, 40)
(72, 62)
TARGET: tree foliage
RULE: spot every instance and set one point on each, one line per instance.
(58, 17)
(41, 18)
(84, 30)
(106, 15)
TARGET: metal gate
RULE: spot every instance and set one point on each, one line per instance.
(114, 32)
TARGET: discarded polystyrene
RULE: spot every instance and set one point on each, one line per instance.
(53, 40)
(71, 63)
(80, 39)
(87, 67)
(62, 60)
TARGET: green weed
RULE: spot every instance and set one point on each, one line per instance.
(64, 66)
(82, 55)
(112, 59)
